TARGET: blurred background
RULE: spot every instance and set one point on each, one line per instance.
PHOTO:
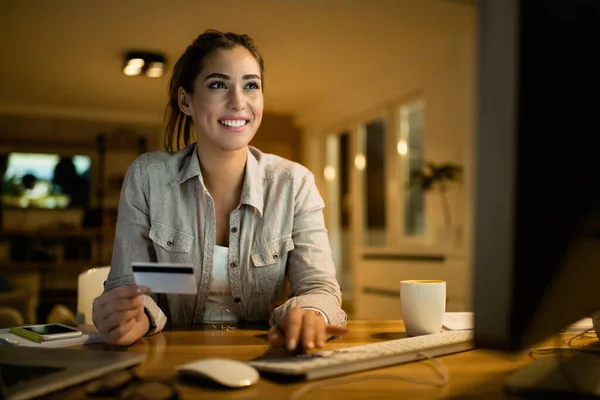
(375, 98)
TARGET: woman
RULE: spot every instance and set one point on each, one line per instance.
(245, 220)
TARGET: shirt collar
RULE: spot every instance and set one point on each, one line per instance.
(252, 190)
(191, 165)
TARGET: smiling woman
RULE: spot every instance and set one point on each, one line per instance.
(250, 223)
(226, 107)
(205, 54)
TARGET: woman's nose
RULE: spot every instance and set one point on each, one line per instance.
(237, 101)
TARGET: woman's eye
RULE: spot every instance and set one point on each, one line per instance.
(253, 85)
(217, 85)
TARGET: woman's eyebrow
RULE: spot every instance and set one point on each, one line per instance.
(227, 77)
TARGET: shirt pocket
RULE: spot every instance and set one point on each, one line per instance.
(269, 261)
(171, 245)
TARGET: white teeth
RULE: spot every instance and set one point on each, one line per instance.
(234, 123)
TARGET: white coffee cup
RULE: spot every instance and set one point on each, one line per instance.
(423, 304)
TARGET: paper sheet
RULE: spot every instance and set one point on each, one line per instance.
(580, 326)
(458, 321)
(455, 321)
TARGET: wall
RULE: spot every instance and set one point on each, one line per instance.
(279, 135)
(63, 136)
(444, 78)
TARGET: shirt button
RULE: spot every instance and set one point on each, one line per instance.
(237, 299)
(275, 256)
(233, 265)
(170, 242)
(234, 229)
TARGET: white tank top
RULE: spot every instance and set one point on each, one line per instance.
(220, 291)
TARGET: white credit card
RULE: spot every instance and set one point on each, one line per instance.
(165, 277)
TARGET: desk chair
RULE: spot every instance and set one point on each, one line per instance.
(89, 286)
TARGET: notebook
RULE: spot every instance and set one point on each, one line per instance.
(8, 338)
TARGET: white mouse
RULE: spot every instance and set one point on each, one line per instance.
(231, 373)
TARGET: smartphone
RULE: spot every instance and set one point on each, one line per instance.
(45, 332)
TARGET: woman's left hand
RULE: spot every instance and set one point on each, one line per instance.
(302, 326)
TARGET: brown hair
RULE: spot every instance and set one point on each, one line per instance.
(178, 132)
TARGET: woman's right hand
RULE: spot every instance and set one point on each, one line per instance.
(119, 315)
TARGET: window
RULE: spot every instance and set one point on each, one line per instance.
(368, 170)
(371, 163)
(410, 149)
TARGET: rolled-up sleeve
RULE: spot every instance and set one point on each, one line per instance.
(132, 242)
(311, 270)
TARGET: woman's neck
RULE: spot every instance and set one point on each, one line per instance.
(223, 171)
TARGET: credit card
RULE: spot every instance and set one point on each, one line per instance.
(165, 277)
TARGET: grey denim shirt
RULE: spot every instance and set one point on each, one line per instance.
(279, 252)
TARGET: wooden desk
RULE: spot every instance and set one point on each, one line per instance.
(476, 374)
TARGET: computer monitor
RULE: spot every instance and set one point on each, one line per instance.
(537, 170)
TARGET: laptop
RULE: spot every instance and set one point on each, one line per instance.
(28, 372)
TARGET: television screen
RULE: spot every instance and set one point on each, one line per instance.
(46, 181)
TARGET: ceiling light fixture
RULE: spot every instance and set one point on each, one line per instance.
(152, 65)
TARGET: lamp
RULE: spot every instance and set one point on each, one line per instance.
(141, 62)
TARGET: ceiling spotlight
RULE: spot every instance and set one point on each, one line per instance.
(144, 63)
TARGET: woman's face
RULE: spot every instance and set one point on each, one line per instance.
(227, 103)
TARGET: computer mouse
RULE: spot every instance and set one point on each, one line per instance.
(230, 373)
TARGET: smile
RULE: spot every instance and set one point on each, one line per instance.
(234, 123)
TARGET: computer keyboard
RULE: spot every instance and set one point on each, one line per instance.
(375, 355)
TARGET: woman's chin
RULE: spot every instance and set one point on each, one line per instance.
(233, 146)
(233, 142)
(226, 141)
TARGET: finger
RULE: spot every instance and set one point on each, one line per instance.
(292, 323)
(144, 318)
(116, 334)
(105, 328)
(130, 290)
(336, 330)
(275, 337)
(104, 324)
(102, 329)
(125, 291)
(102, 316)
(121, 304)
(125, 304)
(99, 316)
(310, 325)
(118, 318)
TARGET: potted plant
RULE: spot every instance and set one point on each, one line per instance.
(437, 177)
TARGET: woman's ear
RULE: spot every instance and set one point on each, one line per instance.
(184, 100)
